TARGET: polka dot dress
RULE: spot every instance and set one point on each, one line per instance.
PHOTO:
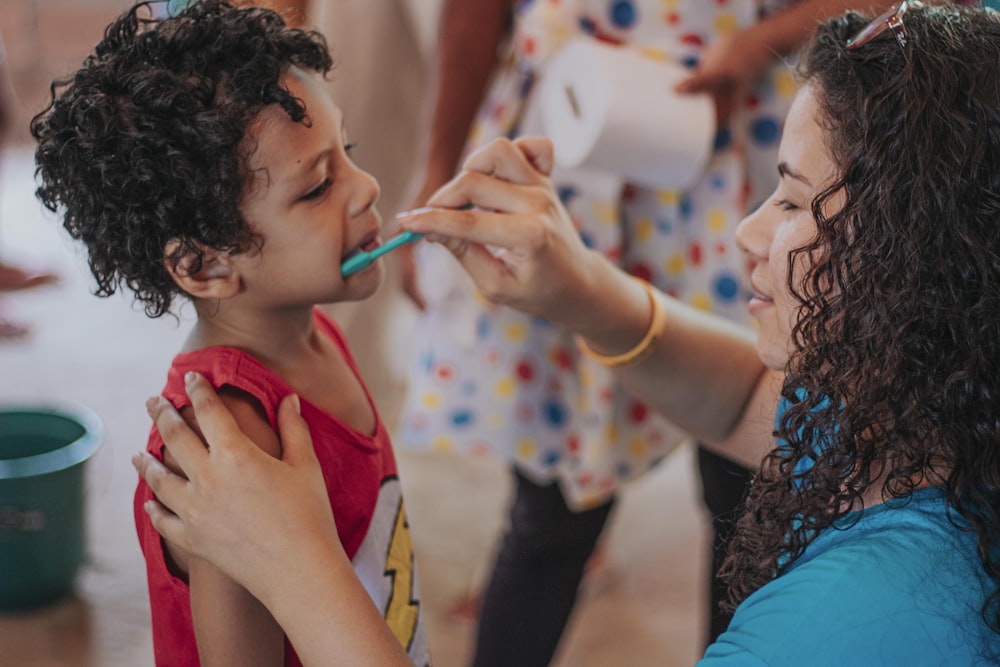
(492, 381)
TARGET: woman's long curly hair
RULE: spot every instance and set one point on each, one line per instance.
(895, 376)
(144, 145)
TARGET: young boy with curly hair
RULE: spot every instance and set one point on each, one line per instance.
(197, 156)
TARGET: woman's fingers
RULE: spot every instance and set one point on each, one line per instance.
(492, 193)
(497, 278)
(170, 489)
(511, 162)
(539, 151)
(184, 444)
(500, 229)
(214, 418)
(166, 485)
(502, 176)
(466, 234)
(296, 442)
(518, 242)
(166, 523)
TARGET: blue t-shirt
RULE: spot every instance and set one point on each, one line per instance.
(895, 584)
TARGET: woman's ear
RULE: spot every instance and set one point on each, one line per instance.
(215, 278)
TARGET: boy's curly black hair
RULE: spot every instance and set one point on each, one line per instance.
(145, 143)
(894, 379)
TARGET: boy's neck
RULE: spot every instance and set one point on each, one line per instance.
(288, 342)
(279, 335)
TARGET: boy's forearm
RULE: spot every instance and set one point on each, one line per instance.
(470, 34)
(230, 625)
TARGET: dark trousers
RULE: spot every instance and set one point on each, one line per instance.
(535, 578)
(724, 488)
(541, 560)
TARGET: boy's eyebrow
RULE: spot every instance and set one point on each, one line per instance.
(343, 130)
(785, 170)
(321, 156)
(312, 165)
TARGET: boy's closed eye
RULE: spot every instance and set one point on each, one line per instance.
(318, 191)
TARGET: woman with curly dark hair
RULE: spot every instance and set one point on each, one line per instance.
(871, 393)
(198, 158)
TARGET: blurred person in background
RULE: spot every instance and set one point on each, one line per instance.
(13, 277)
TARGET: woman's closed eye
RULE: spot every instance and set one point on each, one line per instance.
(785, 205)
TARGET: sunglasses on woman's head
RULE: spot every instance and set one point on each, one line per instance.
(891, 20)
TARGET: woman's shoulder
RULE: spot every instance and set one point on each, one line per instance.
(900, 580)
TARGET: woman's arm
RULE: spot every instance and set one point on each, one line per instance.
(231, 626)
(296, 566)
(521, 249)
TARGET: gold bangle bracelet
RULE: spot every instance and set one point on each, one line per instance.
(644, 347)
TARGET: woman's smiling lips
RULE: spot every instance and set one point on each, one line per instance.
(759, 300)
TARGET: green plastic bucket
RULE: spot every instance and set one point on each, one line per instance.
(42, 455)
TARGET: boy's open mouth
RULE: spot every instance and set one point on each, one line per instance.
(367, 245)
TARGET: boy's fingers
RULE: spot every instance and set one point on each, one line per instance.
(184, 444)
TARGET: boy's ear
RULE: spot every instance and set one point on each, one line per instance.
(214, 279)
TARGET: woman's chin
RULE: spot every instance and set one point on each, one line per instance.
(772, 355)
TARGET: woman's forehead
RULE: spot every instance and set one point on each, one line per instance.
(804, 146)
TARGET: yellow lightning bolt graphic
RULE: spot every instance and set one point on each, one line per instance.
(402, 611)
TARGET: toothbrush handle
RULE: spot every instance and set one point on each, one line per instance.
(396, 241)
(362, 260)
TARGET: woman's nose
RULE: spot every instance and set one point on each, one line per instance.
(752, 237)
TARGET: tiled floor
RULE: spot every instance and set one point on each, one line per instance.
(642, 608)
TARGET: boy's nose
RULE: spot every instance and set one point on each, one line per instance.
(366, 193)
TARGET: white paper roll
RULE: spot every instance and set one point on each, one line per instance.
(609, 108)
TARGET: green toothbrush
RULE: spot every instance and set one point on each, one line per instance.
(363, 259)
